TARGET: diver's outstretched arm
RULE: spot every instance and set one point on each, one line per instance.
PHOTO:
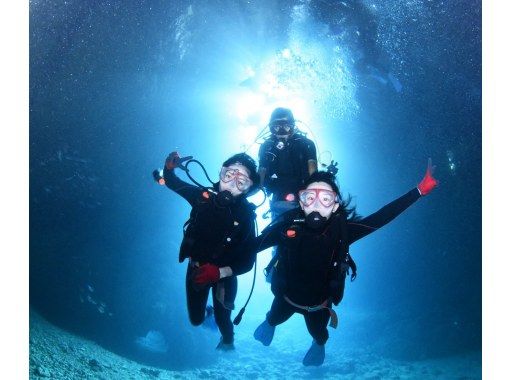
(189, 192)
(269, 237)
(361, 228)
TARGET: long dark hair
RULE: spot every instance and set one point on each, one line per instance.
(330, 179)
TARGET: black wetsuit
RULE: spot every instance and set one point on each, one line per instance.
(215, 235)
(289, 165)
(304, 267)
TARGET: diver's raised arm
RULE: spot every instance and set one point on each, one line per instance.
(174, 183)
(360, 228)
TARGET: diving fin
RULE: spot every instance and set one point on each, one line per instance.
(264, 333)
(315, 355)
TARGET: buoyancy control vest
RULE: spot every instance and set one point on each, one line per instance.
(212, 228)
(339, 265)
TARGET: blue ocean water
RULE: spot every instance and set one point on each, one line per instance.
(380, 86)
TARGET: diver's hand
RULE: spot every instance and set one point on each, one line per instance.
(172, 161)
(428, 183)
(206, 274)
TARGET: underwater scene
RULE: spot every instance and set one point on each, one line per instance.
(208, 180)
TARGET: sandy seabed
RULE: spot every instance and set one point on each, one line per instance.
(58, 354)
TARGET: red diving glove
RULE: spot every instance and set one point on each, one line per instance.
(206, 274)
(172, 161)
(428, 182)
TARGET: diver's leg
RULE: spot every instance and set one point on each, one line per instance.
(316, 323)
(279, 313)
(223, 302)
(196, 300)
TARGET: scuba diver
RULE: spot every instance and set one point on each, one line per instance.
(221, 222)
(286, 159)
(309, 275)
